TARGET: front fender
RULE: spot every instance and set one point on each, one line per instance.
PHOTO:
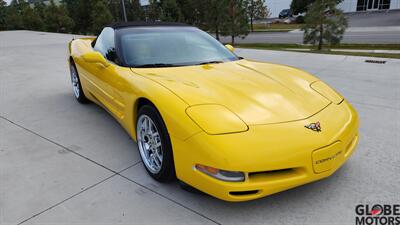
(170, 106)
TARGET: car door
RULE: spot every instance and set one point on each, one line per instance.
(105, 79)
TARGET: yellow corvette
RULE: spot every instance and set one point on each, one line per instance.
(234, 128)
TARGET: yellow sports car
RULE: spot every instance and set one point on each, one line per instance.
(236, 129)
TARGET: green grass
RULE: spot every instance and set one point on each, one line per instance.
(310, 49)
(366, 54)
(368, 46)
(276, 27)
(270, 46)
(272, 30)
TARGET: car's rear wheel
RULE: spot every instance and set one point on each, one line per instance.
(76, 84)
(154, 144)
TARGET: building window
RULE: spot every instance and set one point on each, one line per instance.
(385, 4)
(363, 5)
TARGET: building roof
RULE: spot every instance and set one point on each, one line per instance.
(145, 24)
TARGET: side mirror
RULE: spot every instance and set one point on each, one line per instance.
(230, 48)
(95, 57)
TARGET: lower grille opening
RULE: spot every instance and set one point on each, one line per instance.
(241, 193)
(272, 172)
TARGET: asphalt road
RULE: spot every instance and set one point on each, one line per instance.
(375, 27)
(66, 163)
(365, 19)
(376, 35)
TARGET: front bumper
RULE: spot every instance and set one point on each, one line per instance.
(274, 157)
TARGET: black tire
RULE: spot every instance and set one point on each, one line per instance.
(78, 93)
(167, 171)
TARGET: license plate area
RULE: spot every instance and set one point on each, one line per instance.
(327, 158)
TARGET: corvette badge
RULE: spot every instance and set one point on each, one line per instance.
(314, 126)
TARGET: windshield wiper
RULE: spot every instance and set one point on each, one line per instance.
(211, 62)
(154, 65)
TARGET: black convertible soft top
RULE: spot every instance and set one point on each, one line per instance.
(145, 24)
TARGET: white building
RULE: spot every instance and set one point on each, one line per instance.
(276, 6)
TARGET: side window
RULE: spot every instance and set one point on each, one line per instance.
(105, 44)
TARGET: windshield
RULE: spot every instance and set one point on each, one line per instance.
(170, 46)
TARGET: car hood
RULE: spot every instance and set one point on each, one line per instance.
(259, 93)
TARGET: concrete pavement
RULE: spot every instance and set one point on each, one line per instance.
(66, 163)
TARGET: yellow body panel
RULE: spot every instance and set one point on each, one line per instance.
(240, 116)
(212, 125)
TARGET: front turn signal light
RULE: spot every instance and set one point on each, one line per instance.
(223, 175)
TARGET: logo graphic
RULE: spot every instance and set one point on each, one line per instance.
(314, 126)
(376, 210)
(377, 214)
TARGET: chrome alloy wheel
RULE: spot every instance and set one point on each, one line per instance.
(149, 142)
(74, 81)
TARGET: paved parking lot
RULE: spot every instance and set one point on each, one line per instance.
(66, 163)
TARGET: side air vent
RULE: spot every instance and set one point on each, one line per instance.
(242, 193)
(272, 172)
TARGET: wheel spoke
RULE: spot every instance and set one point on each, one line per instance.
(144, 125)
(157, 163)
(159, 157)
(151, 161)
(148, 126)
(157, 145)
(155, 134)
(147, 147)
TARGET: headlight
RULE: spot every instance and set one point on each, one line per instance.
(326, 91)
(221, 174)
(216, 119)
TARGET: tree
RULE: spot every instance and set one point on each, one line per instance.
(100, 16)
(13, 19)
(57, 19)
(170, 11)
(215, 15)
(324, 22)
(236, 24)
(193, 11)
(115, 9)
(134, 10)
(31, 19)
(154, 11)
(40, 9)
(79, 11)
(3, 13)
(301, 6)
(256, 9)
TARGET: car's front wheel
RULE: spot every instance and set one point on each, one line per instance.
(76, 84)
(154, 144)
